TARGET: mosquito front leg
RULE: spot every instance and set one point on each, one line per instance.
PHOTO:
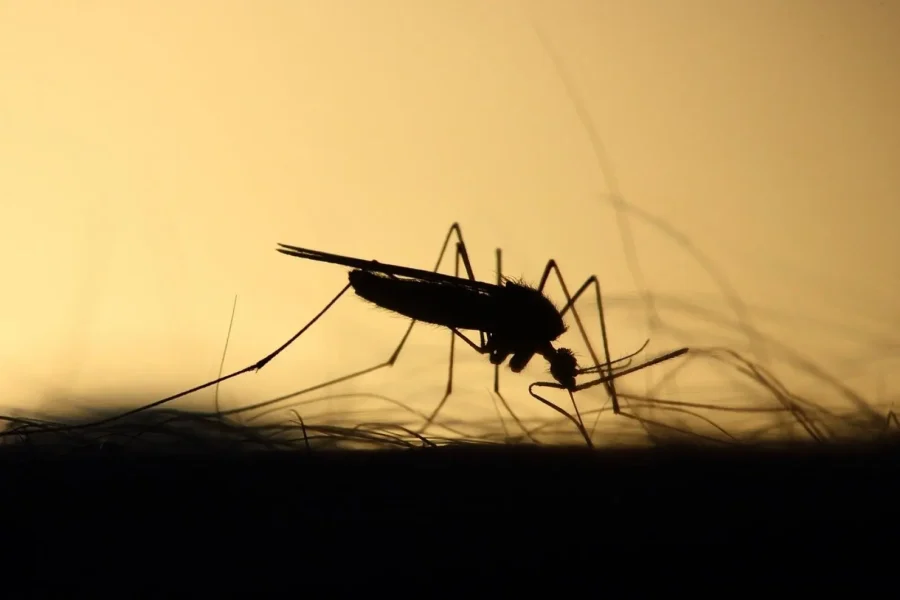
(603, 379)
(570, 305)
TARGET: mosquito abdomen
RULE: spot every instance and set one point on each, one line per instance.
(431, 302)
(519, 318)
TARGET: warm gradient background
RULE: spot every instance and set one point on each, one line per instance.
(153, 153)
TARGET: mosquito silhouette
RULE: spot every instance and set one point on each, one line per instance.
(514, 320)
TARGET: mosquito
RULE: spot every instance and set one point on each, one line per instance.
(514, 321)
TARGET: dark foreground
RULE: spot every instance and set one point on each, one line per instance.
(295, 516)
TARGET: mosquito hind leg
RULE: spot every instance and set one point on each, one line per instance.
(254, 367)
(454, 228)
(461, 255)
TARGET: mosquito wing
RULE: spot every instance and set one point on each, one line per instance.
(373, 266)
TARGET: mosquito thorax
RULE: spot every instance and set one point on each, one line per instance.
(533, 312)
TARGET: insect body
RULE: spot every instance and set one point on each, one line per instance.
(518, 320)
(514, 321)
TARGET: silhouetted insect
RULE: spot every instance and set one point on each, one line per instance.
(515, 321)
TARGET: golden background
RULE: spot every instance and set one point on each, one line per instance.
(152, 154)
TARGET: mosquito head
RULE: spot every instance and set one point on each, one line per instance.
(563, 366)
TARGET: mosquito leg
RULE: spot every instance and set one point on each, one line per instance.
(254, 367)
(606, 376)
(506, 405)
(601, 380)
(608, 382)
(579, 424)
(497, 366)
(460, 252)
(389, 362)
(455, 228)
(462, 255)
(570, 305)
